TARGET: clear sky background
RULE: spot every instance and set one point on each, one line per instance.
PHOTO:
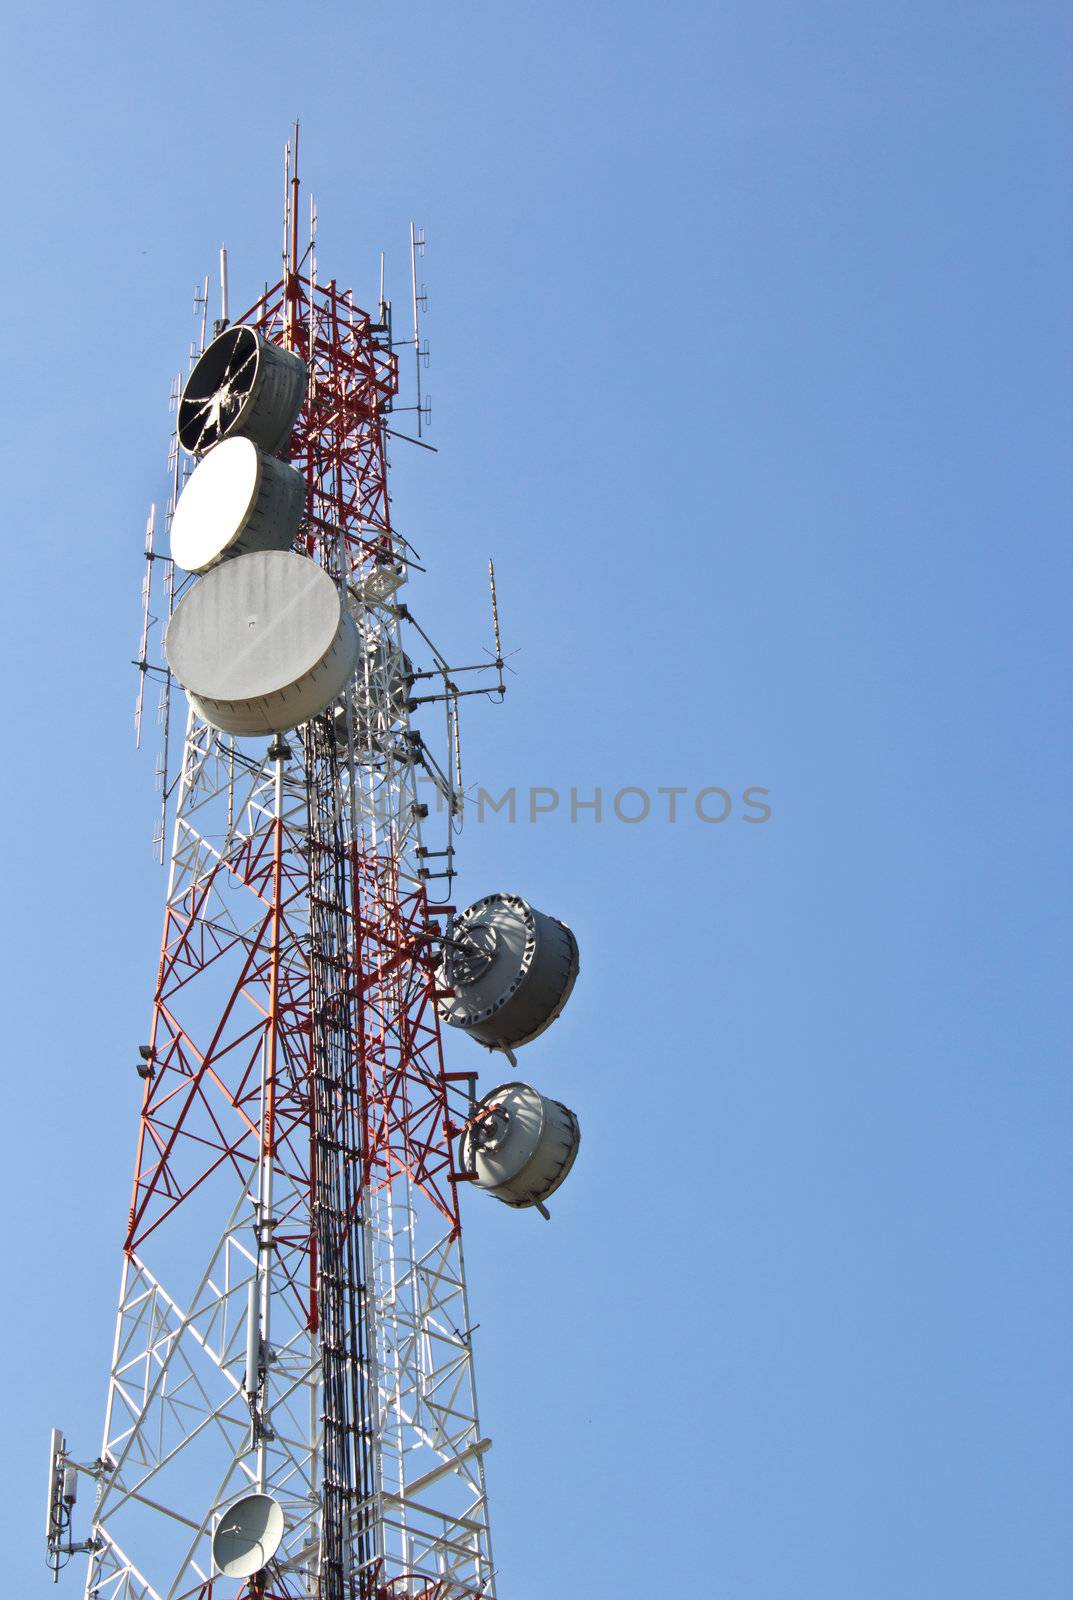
(750, 329)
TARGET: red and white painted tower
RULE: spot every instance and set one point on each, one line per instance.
(291, 1406)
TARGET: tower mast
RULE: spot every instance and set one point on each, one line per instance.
(291, 1405)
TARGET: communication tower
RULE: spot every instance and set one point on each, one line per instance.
(291, 1407)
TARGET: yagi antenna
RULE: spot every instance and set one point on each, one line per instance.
(495, 627)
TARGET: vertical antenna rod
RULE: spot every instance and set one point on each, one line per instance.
(417, 244)
(143, 651)
(294, 203)
(286, 203)
(290, 242)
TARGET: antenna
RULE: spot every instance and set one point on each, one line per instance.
(457, 747)
(175, 462)
(233, 643)
(420, 303)
(383, 314)
(291, 290)
(294, 203)
(164, 714)
(201, 303)
(62, 1495)
(312, 302)
(286, 206)
(236, 499)
(223, 319)
(247, 1536)
(142, 662)
(495, 627)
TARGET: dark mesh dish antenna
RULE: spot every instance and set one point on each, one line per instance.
(243, 384)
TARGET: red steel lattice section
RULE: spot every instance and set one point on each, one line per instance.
(197, 1115)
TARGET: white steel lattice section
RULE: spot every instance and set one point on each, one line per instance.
(227, 1051)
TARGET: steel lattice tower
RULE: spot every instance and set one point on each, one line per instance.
(293, 1312)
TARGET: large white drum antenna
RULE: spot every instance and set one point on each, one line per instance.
(262, 643)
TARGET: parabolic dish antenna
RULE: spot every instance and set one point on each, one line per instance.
(242, 384)
(236, 500)
(520, 1144)
(262, 643)
(247, 1536)
(509, 970)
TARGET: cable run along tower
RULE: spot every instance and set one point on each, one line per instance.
(291, 1405)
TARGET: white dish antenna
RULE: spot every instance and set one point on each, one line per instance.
(247, 1536)
(236, 500)
(262, 643)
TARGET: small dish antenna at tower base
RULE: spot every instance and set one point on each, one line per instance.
(247, 1536)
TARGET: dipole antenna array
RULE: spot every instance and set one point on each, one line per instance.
(419, 302)
(291, 1405)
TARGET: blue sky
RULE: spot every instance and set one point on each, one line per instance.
(750, 330)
